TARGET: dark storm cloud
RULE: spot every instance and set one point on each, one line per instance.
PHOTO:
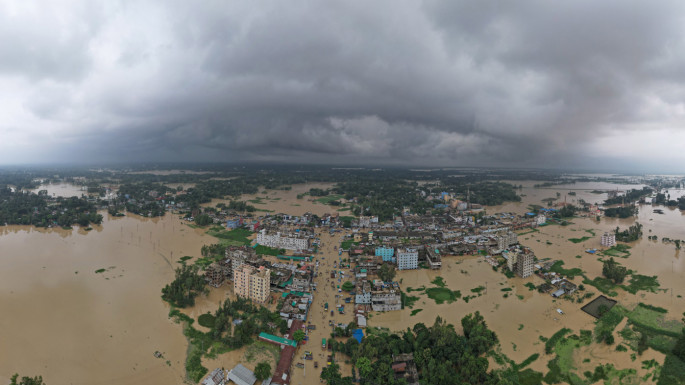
(436, 82)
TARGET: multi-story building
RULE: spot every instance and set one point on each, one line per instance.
(407, 259)
(283, 241)
(252, 283)
(433, 257)
(525, 264)
(236, 257)
(386, 296)
(511, 259)
(387, 253)
(362, 292)
(301, 280)
(540, 220)
(507, 239)
(608, 240)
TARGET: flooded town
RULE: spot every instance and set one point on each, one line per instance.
(432, 192)
(86, 303)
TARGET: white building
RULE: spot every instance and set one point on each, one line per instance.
(286, 241)
(407, 259)
(540, 220)
(608, 240)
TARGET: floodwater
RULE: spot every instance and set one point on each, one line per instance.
(286, 202)
(71, 325)
(62, 190)
(520, 321)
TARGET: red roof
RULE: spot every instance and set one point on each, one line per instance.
(286, 360)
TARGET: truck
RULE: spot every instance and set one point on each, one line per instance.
(323, 343)
(325, 306)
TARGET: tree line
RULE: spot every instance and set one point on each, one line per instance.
(442, 356)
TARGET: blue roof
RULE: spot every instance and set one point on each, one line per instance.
(358, 335)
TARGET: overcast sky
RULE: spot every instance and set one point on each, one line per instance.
(447, 83)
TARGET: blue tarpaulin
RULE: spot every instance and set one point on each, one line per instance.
(358, 335)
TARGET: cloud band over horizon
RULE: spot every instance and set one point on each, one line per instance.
(446, 83)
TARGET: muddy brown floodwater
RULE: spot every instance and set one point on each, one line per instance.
(71, 325)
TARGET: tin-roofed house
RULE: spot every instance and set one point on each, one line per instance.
(242, 375)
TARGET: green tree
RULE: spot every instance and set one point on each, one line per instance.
(298, 336)
(38, 380)
(203, 220)
(387, 272)
(262, 371)
(612, 270)
(679, 348)
(364, 366)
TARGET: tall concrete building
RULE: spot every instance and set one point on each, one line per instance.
(506, 239)
(407, 259)
(252, 283)
(608, 240)
(236, 257)
(525, 264)
(387, 253)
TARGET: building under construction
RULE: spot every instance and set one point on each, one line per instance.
(236, 257)
(216, 274)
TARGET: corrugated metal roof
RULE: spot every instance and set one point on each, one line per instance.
(242, 375)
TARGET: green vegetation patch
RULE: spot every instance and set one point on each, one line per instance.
(415, 312)
(607, 322)
(238, 236)
(558, 267)
(602, 284)
(438, 281)
(654, 320)
(653, 308)
(98, 271)
(478, 289)
(408, 300)
(528, 361)
(347, 244)
(422, 288)
(506, 289)
(550, 344)
(530, 286)
(673, 371)
(329, 198)
(642, 282)
(619, 251)
(441, 295)
(265, 250)
(206, 320)
(579, 240)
